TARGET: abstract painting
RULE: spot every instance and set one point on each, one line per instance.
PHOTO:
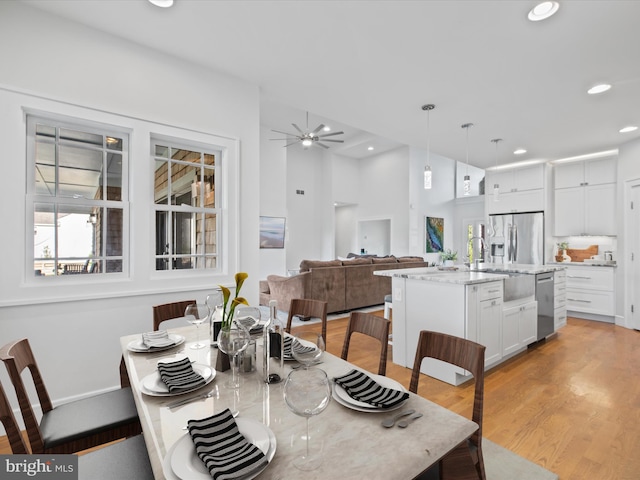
(434, 234)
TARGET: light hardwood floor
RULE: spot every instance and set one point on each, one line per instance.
(571, 404)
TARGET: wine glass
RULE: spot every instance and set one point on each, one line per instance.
(232, 341)
(196, 314)
(247, 316)
(307, 347)
(307, 393)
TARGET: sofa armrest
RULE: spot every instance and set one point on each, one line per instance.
(284, 289)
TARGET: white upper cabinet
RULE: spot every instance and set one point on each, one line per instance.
(516, 179)
(581, 174)
(585, 198)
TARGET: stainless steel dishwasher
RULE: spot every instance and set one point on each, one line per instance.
(544, 296)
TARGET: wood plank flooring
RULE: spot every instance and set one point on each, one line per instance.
(571, 405)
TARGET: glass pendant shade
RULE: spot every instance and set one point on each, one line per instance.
(467, 185)
(496, 193)
(427, 177)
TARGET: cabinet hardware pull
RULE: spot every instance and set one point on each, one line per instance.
(578, 300)
(574, 276)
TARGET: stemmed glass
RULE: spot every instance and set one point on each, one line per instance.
(247, 316)
(233, 341)
(196, 314)
(307, 347)
(307, 393)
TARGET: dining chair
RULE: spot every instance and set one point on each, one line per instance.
(8, 419)
(124, 459)
(470, 356)
(307, 308)
(169, 311)
(73, 426)
(373, 326)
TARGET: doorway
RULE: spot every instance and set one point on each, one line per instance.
(632, 252)
(374, 237)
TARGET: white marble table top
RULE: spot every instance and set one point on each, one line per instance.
(354, 444)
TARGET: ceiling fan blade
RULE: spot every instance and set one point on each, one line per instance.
(318, 128)
(285, 133)
(321, 144)
(292, 143)
(297, 128)
(331, 140)
(330, 134)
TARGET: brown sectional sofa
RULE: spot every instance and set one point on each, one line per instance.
(344, 284)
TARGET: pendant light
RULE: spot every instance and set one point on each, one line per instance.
(496, 186)
(428, 174)
(466, 184)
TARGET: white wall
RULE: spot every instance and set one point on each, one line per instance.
(73, 70)
(273, 199)
(345, 228)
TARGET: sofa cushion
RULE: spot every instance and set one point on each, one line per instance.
(357, 261)
(390, 259)
(410, 259)
(306, 265)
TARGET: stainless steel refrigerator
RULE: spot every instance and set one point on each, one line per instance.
(517, 238)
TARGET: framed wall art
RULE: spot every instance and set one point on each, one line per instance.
(434, 234)
(272, 232)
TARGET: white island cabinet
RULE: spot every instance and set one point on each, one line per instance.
(465, 304)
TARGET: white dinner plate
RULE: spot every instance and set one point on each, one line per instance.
(138, 347)
(341, 396)
(185, 464)
(153, 385)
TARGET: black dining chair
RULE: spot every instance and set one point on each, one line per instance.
(69, 427)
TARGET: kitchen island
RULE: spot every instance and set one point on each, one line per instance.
(467, 304)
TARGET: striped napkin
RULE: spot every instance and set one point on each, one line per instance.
(363, 388)
(224, 450)
(179, 376)
(288, 345)
(157, 339)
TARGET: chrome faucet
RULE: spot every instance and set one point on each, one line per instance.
(483, 246)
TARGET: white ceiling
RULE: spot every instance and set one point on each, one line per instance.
(373, 64)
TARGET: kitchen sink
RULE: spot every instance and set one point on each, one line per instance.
(519, 285)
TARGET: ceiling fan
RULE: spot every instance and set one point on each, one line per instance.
(307, 137)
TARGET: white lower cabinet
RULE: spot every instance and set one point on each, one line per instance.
(519, 327)
(489, 326)
(591, 290)
(560, 299)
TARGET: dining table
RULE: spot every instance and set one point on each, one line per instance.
(352, 441)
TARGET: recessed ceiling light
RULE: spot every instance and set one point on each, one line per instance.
(520, 151)
(543, 10)
(628, 129)
(602, 87)
(370, 148)
(327, 128)
(162, 3)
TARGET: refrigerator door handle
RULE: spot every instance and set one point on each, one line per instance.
(515, 243)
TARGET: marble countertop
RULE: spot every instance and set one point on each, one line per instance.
(489, 272)
(592, 263)
(430, 274)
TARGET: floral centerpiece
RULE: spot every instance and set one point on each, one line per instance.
(227, 315)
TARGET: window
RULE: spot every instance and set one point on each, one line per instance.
(187, 219)
(78, 195)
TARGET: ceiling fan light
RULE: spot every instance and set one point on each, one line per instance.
(307, 142)
(543, 10)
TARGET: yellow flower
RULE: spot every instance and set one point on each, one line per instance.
(227, 317)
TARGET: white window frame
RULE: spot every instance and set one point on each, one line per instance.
(220, 153)
(32, 198)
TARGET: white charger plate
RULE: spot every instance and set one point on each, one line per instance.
(341, 396)
(183, 462)
(153, 385)
(138, 347)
